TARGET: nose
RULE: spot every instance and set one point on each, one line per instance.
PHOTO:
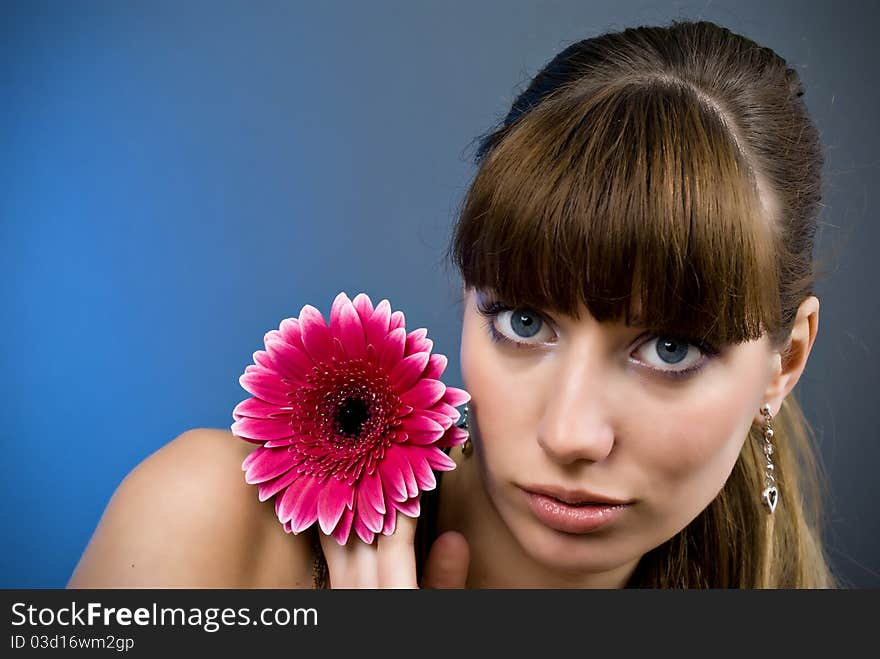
(575, 424)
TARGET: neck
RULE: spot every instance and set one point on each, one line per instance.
(497, 558)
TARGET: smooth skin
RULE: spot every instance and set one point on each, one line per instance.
(579, 408)
(184, 517)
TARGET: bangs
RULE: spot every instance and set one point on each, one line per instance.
(636, 202)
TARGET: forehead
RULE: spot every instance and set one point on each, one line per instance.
(643, 222)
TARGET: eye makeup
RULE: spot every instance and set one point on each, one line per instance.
(490, 309)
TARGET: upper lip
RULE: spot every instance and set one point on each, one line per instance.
(573, 496)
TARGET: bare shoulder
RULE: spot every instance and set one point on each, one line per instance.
(184, 517)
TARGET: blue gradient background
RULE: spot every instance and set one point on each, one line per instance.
(176, 178)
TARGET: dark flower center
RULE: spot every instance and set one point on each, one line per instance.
(351, 416)
(344, 421)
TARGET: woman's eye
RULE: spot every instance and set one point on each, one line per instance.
(521, 326)
(664, 353)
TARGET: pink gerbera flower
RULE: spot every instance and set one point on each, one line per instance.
(351, 419)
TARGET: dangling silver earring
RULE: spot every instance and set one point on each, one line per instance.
(770, 495)
(468, 447)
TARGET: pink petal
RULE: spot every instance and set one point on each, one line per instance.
(346, 326)
(262, 358)
(284, 504)
(315, 334)
(441, 419)
(424, 394)
(278, 508)
(371, 517)
(418, 460)
(418, 422)
(448, 410)
(265, 385)
(259, 409)
(291, 332)
(290, 362)
(410, 507)
(404, 375)
(409, 477)
(340, 299)
(343, 529)
(273, 487)
(372, 354)
(266, 463)
(397, 320)
(390, 520)
(416, 342)
(364, 306)
(455, 396)
(336, 496)
(376, 328)
(391, 351)
(398, 436)
(362, 531)
(454, 437)
(422, 438)
(371, 487)
(421, 430)
(438, 460)
(393, 483)
(287, 528)
(284, 441)
(337, 351)
(436, 365)
(262, 429)
(305, 509)
(253, 455)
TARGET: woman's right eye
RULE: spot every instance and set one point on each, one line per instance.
(514, 326)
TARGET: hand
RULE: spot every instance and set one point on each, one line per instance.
(390, 561)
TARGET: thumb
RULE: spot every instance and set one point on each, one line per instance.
(447, 563)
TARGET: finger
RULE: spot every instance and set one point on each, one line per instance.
(352, 565)
(337, 558)
(396, 555)
(363, 567)
(447, 562)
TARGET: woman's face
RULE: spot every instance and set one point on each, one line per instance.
(578, 406)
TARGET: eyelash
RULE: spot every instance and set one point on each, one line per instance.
(490, 309)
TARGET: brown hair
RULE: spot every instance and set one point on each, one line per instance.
(669, 177)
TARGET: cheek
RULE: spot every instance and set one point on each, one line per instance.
(691, 452)
(500, 397)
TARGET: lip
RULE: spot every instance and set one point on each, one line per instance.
(572, 519)
(574, 496)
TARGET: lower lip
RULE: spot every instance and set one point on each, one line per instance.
(572, 519)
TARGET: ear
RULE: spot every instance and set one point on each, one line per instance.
(790, 362)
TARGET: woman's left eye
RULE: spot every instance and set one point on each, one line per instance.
(673, 356)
